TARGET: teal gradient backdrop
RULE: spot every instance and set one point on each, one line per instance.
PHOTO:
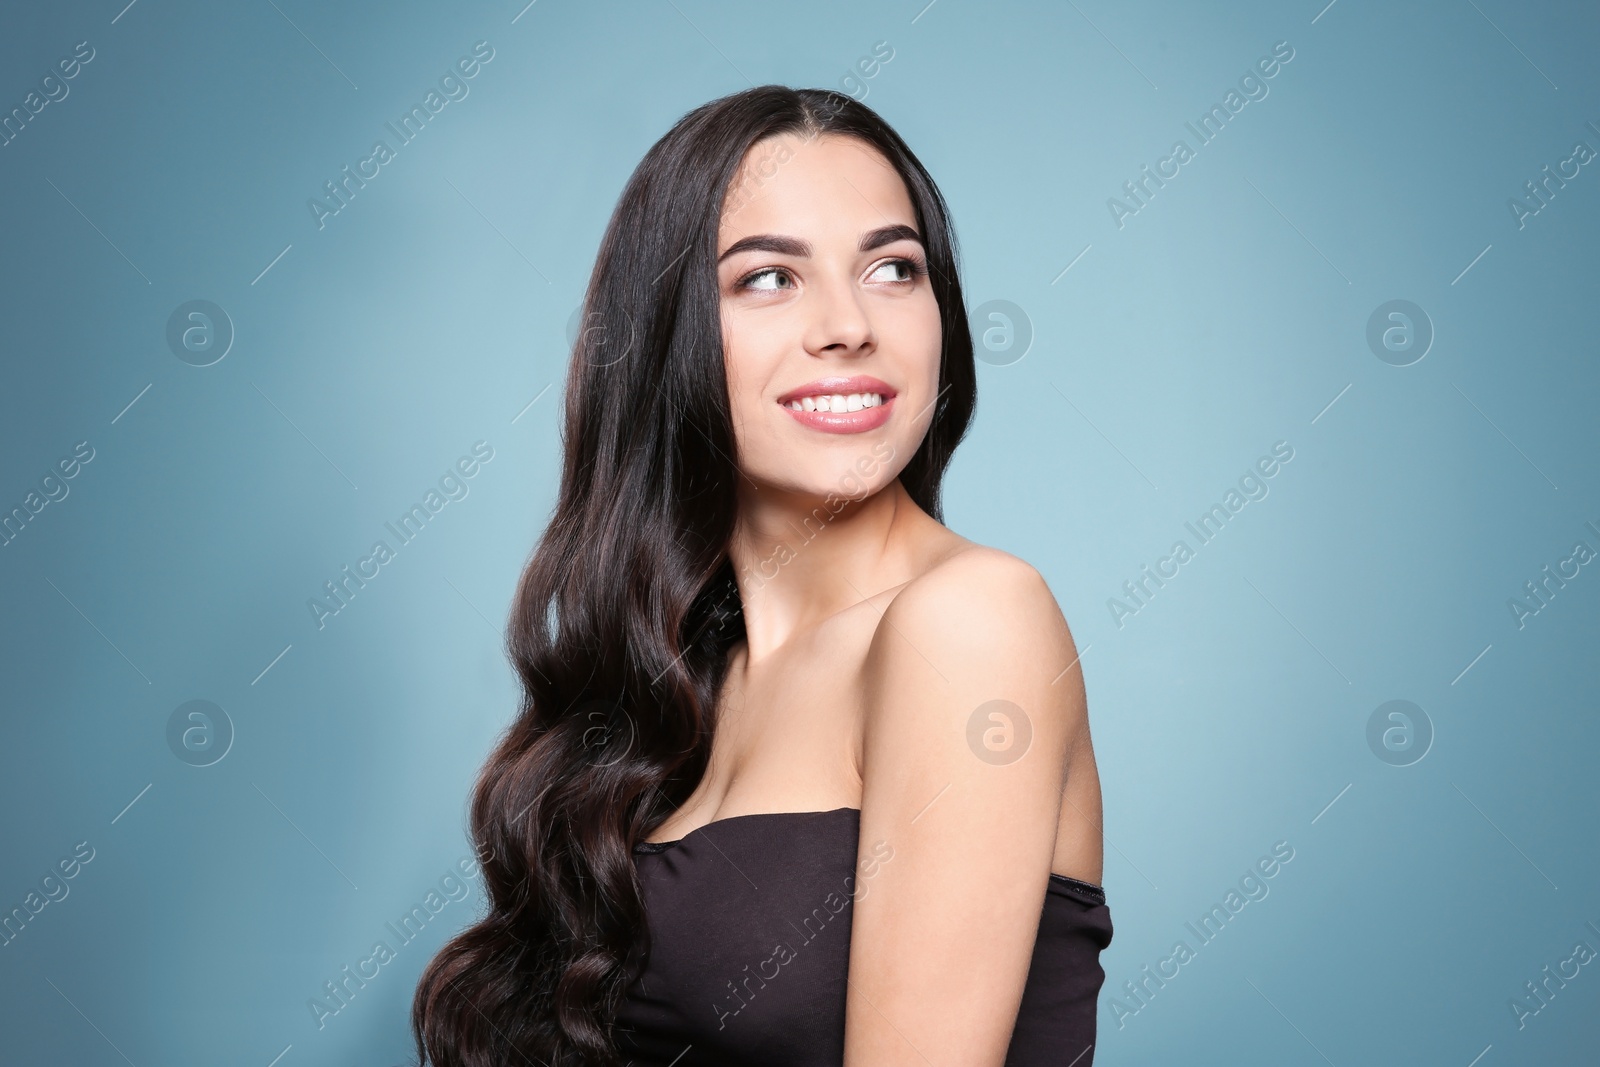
(1142, 351)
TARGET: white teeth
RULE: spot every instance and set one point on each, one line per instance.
(837, 402)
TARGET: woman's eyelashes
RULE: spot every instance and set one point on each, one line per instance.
(915, 268)
(747, 282)
(912, 267)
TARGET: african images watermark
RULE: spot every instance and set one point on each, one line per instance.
(199, 332)
(1006, 332)
(1551, 982)
(338, 992)
(199, 732)
(1252, 887)
(53, 89)
(1543, 190)
(1141, 190)
(999, 732)
(811, 927)
(867, 67)
(762, 170)
(453, 84)
(1252, 486)
(53, 488)
(1399, 332)
(452, 486)
(852, 487)
(1399, 732)
(753, 177)
(52, 888)
(1544, 589)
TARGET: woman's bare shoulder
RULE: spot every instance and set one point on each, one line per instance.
(978, 619)
(965, 749)
(971, 584)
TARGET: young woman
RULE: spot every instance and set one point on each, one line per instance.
(800, 775)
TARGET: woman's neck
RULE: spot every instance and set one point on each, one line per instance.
(800, 559)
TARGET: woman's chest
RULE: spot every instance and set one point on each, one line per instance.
(749, 925)
(787, 737)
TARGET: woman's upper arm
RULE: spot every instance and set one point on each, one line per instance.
(965, 741)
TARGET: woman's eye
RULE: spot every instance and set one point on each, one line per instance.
(774, 279)
(771, 272)
(909, 267)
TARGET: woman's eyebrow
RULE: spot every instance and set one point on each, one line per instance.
(887, 234)
(794, 246)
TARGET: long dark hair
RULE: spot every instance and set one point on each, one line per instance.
(625, 613)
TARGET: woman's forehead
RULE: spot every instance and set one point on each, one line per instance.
(829, 186)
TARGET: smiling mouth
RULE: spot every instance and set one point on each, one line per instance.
(836, 402)
(846, 413)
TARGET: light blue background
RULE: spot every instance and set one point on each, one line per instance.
(1229, 314)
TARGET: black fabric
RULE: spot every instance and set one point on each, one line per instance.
(750, 925)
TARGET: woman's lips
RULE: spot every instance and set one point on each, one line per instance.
(844, 421)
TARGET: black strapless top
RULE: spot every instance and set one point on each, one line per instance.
(749, 918)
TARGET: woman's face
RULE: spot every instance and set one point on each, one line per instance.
(825, 295)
